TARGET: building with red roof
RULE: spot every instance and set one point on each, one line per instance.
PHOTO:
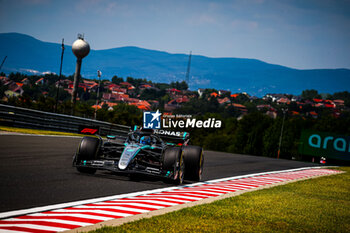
(142, 104)
(214, 94)
(224, 100)
(40, 81)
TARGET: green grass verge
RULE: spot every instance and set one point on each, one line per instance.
(36, 131)
(315, 205)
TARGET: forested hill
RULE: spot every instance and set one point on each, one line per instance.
(27, 54)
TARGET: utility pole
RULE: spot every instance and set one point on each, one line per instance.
(280, 142)
(99, 73)
(59, 79)
(188, 69)
(3, 61)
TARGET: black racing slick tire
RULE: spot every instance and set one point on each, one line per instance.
(87, 150)
(194, 159)
(173, 161)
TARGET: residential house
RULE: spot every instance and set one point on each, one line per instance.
(127, 85)
(145, 86)
(272, 114)
(119, 91)
(240, 107)
(273, 97)
(339, 103)
(223, 92)
(200, 91)
(143, 105)
(283, 100)
(40, 81)
(175, 103)
(252, 98)
(265, 107)
(225, 100)
(14, 90)
(214, 94)
(25, 81)
(115, 97)
(313, 114)
(173, 91)
(296, 98)
(4, 79)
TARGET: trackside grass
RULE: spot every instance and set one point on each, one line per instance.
(36, 131)
(315, 205)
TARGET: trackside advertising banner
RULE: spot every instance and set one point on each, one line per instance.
(326, 145)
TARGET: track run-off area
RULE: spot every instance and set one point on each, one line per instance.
(42, 192)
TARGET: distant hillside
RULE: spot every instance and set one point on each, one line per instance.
(27, 54)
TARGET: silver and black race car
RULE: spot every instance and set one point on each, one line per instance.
(151, 152)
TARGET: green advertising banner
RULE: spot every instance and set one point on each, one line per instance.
(326, 145)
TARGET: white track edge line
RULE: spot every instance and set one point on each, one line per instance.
(40, 135)
(14, 213)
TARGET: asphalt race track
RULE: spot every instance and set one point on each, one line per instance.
(37, 171)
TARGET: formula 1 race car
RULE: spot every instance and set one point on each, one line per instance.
(151, 152)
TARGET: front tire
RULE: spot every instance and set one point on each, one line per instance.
(194, 160)
(87, 150)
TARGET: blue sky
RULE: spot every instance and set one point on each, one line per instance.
(303, 34)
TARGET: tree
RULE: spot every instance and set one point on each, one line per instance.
(152, 94)
(249, 134)
(179, 85)
(310, 94)
(125, 114)
(84, 110)
(2, 90)
(345, 95)
(117, 80)
(241, 99)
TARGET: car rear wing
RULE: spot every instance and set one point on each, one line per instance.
(173, 136)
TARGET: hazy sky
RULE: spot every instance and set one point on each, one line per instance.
(302, 34)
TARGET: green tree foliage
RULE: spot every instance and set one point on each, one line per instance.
(249, 134)
(46, 104)
(84, 110)
(137, 82)
(179, 85)
(162, 86)
(345, 95)
(122, 114)
(200, 106)
(241, 99)
(255, 133)
(152, 94)
(310, 94)
(2, 90)
(17, 77)
(117, 80)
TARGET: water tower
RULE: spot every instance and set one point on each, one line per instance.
(81, 49)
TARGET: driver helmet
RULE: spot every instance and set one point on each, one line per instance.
(146, 140)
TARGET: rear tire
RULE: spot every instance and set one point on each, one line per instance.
(173, 161)
(87, 150)
(194, 160)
